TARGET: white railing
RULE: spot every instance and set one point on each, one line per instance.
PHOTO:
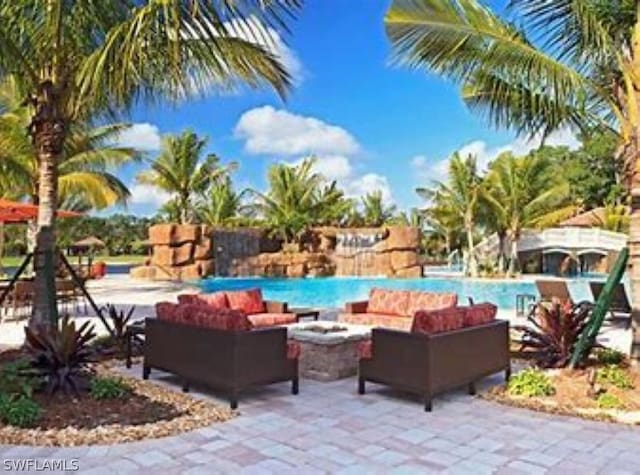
(561, 238)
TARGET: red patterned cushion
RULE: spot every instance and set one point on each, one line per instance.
(260, 320)
(215, 300)
(219, 319)
(438, 321)
(293, 350)
(365, 350)
(388, 302)
(430, 301)
(479, 314)
(248, 301)
(167, 311)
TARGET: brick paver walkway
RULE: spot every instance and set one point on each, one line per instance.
(329, 428)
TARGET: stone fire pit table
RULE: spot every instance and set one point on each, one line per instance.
(331, 355)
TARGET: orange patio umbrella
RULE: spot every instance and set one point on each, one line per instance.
(17, 212)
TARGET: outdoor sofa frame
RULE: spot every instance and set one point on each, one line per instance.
(230, 361)
(427, 365)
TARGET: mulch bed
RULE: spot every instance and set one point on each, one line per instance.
(571, 398)
(150, 411)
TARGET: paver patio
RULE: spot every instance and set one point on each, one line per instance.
(329, 428)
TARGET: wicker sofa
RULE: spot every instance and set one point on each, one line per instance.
(445, 349)
(218, 348)
(394, 308)
(261, 313)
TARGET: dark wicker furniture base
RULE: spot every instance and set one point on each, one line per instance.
(228, 361)
(428, 365)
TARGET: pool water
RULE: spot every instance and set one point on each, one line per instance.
(336, 291)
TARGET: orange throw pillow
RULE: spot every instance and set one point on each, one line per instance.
(247, 301)
(388, 302)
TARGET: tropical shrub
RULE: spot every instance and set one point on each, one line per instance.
(18, 378)
(615, 376)
(20, 411)
(553, 331)
(530, 383)
(609, 356)
(60, 354)
(609, 401)
(119, 321)
(108, 388)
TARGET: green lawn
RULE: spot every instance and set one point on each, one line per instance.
(13, 261)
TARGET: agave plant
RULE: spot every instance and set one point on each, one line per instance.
(119, 321)
(60, 354)
(553, 331)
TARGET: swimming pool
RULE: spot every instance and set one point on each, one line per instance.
(336, 291)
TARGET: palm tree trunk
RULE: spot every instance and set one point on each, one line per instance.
(501, 253)
(634, 251)
(472, 265)
(513, 257)
(48, 131)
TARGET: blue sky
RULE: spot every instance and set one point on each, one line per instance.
(373, 126)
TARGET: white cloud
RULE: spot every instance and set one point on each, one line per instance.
(142, 136)
(367, 183)
(267, 130)
(332, 167)
(148, 195)
(485, 154)
(253, 31)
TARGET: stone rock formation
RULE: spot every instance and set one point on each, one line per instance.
(179, 252)
(189, 251)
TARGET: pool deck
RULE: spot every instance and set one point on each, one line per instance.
(123, 291)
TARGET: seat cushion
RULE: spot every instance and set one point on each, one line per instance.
(377, 320)
(260, 320)
(479, 314)
(365, 350)
(248, 301)
(388, 302)
(430, 301)
(438, 321)
(293, 350)
(214, 300)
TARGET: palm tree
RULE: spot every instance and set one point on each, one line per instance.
(221, 205)
(583, 72)
(375, 211)
(182, 171)
(460, 195)
(615, 217)
(525, 192)
(74, 59)
(86, 170)
(299, 198)
(442, 221)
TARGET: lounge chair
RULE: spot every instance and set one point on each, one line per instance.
(620, 308)
(553, 290)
